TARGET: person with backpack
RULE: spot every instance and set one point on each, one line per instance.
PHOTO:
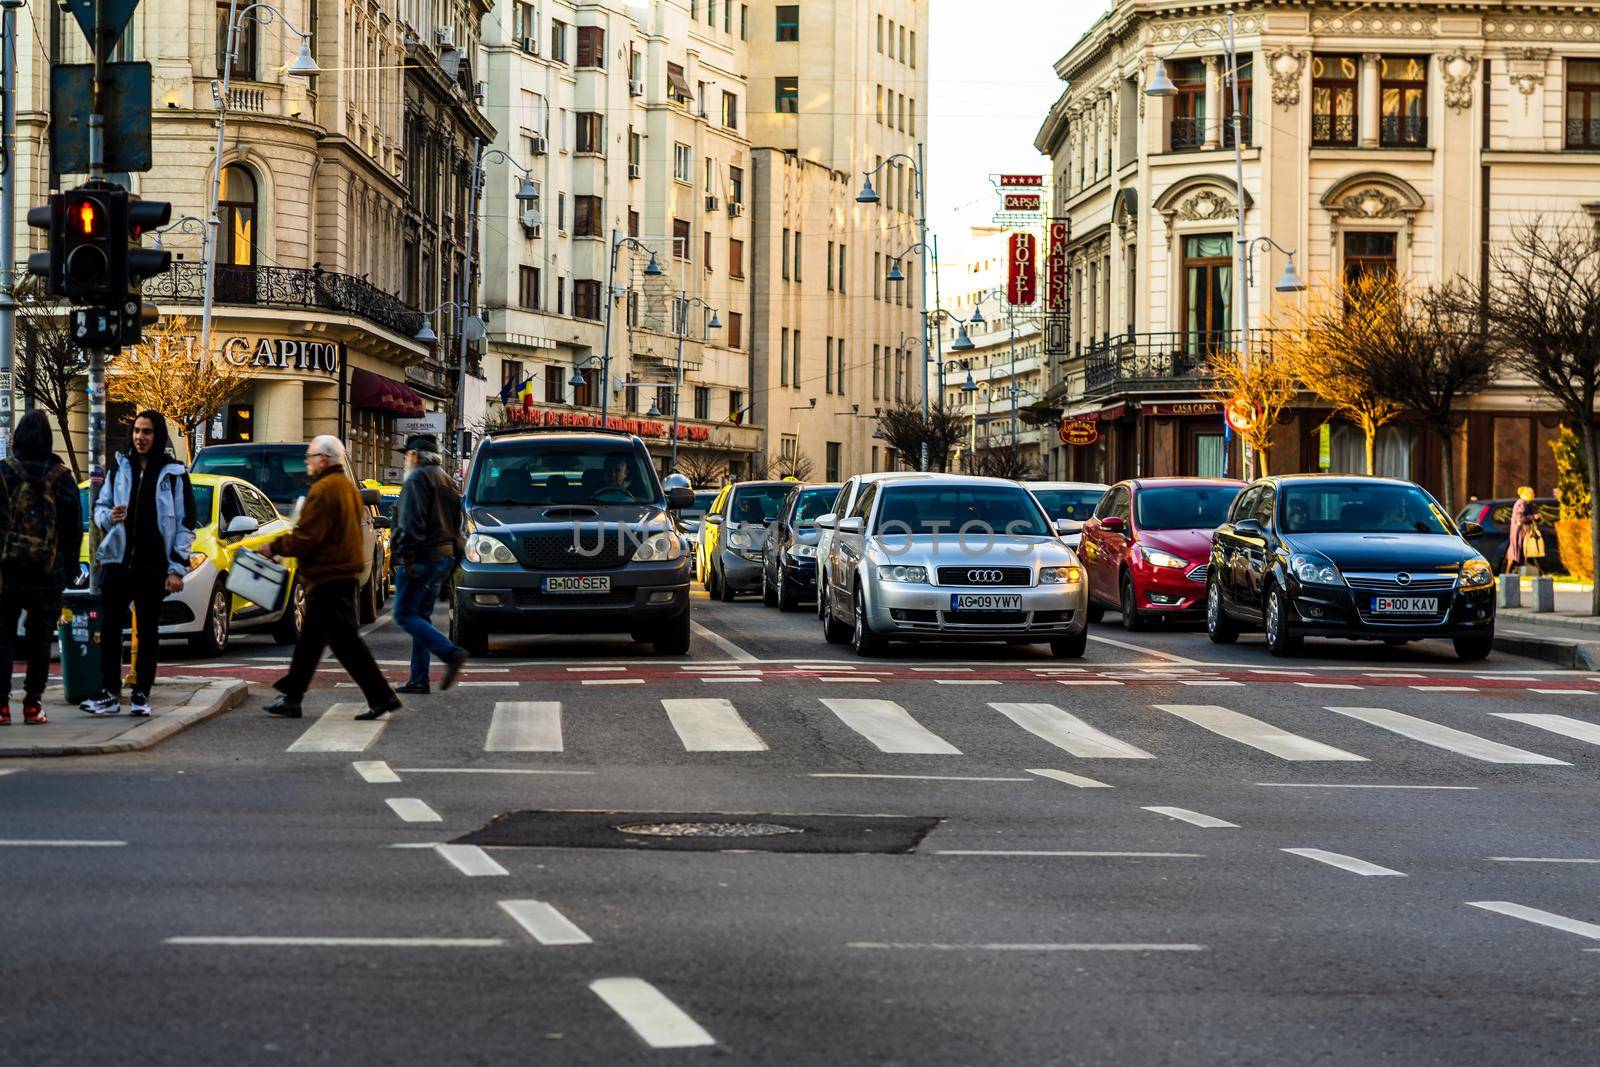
(146, 511)
(38, 553)
(426, 544)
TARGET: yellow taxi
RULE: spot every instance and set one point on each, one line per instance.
(231, 514)
(387, 510)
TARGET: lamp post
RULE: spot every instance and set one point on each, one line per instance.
(303, 66)
(1011, 325)
(187, 224)
(685, 302)
(651, 270)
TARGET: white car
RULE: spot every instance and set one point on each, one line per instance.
(849, 493)
(1071, 502)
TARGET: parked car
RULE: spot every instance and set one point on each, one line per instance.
(1146, 546)
(279, 471)
(691, 518)
(1072, 501)
(789, 567)
(230, 514)
(569, 531)
(849, 493)
(952, 558)
(734, 536)
(1493, 517)
(1371, 559)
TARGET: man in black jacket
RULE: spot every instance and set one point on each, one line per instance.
(427, 532)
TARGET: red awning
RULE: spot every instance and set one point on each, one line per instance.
(374, 391)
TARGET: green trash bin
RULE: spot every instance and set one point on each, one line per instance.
(79, 632)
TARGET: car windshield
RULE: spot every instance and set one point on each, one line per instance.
(757, 504)
(539, 474)
(959, 509)
(1359, 507)
(1186, 507)
(203, 497)
(814, 502)
(278, 472)
(1069, 503)
(697, 511)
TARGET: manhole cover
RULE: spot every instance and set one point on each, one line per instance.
(702, 831)
(709, 829)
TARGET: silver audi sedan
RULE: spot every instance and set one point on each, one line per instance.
(951, 558)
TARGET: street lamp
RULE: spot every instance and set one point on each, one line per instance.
(187, 224)
(685, 302)
(1289, 282)
(651, 270)
(303, 66)
(472, 327)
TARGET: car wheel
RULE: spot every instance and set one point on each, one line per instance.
(725, 591)
(287, 630)
(822, 591)
(863, 642)
(1132, 621)
(1280, 641)
(672, 639)
(368, 601)
(833, 631)
(1474, 646)
(785, 593)
(1097, 611)
(710, 582)
(1070, 646)
(467, 634)
(769, 596)
(212, 640)
(1221, 629)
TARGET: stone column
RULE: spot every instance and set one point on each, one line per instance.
(1213, 131)
(1367, 104)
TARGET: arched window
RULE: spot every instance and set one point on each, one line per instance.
(237, 210)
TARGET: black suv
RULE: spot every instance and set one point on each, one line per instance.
(569, 531)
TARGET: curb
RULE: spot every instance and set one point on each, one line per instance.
(1576, 655)
(1548, 618)
(208, 700)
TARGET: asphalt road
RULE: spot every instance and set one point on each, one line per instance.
(1167, 852)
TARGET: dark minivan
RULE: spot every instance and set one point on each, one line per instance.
(789, 568)
(1373, 559)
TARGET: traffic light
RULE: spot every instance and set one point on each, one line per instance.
(47, 264)
(140, 217)
(90, 264)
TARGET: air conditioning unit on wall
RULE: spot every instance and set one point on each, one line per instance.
(536, 144)
(445, 36)
(635, 87)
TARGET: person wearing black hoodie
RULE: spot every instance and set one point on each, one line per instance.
(37, 555)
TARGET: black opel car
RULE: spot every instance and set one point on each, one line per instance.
(789, 571)
(1372, 559)
(569, 531)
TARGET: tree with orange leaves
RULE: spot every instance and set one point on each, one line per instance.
(167, 373)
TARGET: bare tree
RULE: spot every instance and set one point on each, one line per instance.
(798, 466)
(1002, 463)
(705, 468)
(1265, 382)
(906, 430)
(1544, 321)
(49, 365)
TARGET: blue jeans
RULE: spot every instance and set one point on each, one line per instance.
(416, 590)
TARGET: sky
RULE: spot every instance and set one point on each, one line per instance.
(992, 81)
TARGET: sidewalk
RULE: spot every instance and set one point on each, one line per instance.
(175, 706)
(1568, 636)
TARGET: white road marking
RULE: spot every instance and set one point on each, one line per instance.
(7, 770)
(658, 1021)
(1068, 732)
(734, 651)
(1265, 670)
(1257, 734)
(1194, 818)
(585, 670)
(1445, 737)
(1049, 852)
(729, 680)
(338, 731)
(485, 770)
(1563, 692)
(1169, 657)
(1326, 685)
(918, 777)
(889, 727)
(1042, 947)
(844, 678)
(383, 620)
(23, 842)
(1204, 683)
(1541, 859)
(525, 726)
(711, 724)
(948, 670)
(544, 923)
(489, 685)
(612, 681)
(965, 681)
(470, 860)
(1444, 688)
(377, 772)
(503, 670)
(1558, 724)
(1086, 681)
(1349, 785)
(1391, 674)
(1537, 915)
(1510, 678)
(1069, 778)
(413, 810)
(1344, 863)
(343, 942)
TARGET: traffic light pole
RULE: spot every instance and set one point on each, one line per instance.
(95, 352)
(8, 213)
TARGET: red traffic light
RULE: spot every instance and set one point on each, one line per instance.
(87, 218)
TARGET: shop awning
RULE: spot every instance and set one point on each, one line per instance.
(374, 391)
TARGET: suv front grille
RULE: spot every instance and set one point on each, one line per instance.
(576, 550)
(534, 598)
(1008, 575)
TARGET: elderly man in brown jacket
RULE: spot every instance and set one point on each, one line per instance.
(327, 541)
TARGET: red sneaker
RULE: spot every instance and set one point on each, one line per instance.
(5, 714)
(33, 714)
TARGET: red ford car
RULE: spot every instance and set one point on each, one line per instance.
(1146, 546)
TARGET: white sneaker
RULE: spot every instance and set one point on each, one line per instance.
(103, 703)
(139, 705)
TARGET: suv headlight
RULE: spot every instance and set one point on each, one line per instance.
(1314, 571)
(1158, 558)
(899, 573)
(482, 548)
(803, 551)
(659, 548)
(1060, 575)
(1475, 574)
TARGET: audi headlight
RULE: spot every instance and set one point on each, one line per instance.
(1158, 558)
(899, 573)
(1060, 575)
(481, 548)
(659, 548)
(803, 551)
(197, 560)
(1475, 574)
(1314, 571)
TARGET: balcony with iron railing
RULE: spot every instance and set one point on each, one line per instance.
(295, 288)
(1583, 133)
(1403, 131)
(1333, 130)
(1244, 126)
(1154, 362)
(1188, 131)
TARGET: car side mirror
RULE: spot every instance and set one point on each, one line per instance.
(382, 522)
(1471, 529)
(1112, 523)
(715, 520)
(241, 525)
(851, 525)
(1248, 527)
(1065, 527)
(372, 497)
(679, 498)
(826, 522)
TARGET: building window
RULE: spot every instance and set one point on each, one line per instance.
(841, 267)
(735, 258)
(788, 22)
(797, 244)
(584, 393)
(783, 256)
(244, 63)
(558, 40)
(1403, 101)
(736, 406)
(586, 298)
(586, 214)
(1188, 104)
(794, 357)
(830, 266)
(633, 223)
(878, 106)
(912, 57)
(1246, 109)
(783, 356)
(510, 379)
(555, 384)
(705, 250)
(528, 288)
(730, 111)
(561, 295)
(786, 96)
(736, 185)
(877, 362)
(827, 364)
(680, 240)
(677, 85)
(561, 212)
(877, 275)
(744, 22)
(591, 131)
(1207, 291)
(635, 151)
(237, 210)
(735, 330)
(880, 35)
(682, 165)
(1367, 252)
(591, 47)
(702, 402)
(838, 367)
(1583, 103)
(1334, 94)
(832, 465)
